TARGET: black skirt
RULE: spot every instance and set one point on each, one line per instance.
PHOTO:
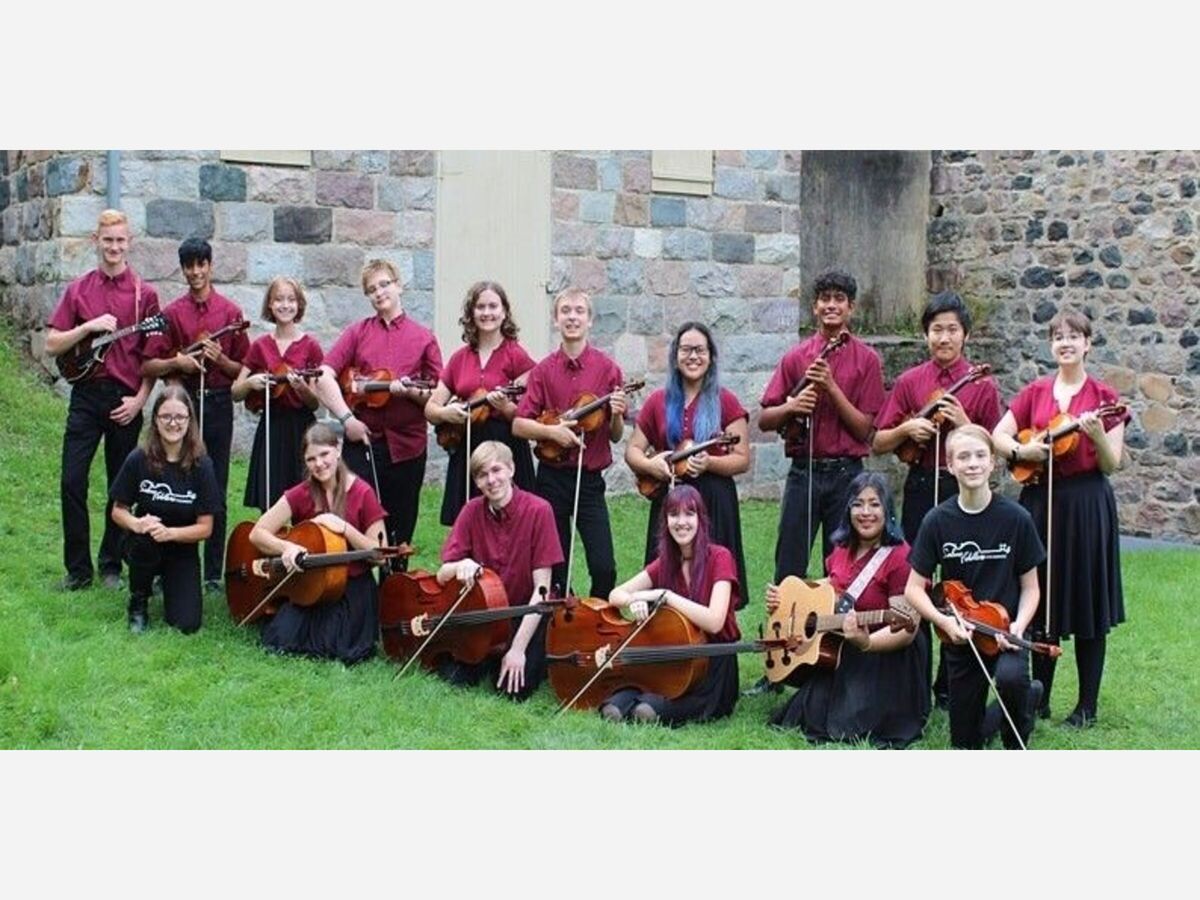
(345, 630)
(494, 429)
(882, 698)
(1086, 599)
(287, 467)
(724, 521)
(713, 698)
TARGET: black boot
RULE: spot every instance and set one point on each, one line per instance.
(139, 613)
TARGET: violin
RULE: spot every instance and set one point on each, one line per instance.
(652, 488)
(987, 617)
(85, 359)
(251, 575)
(278, 385)
(374, 390)
(451, 434)
(910, 451)
(587, 412)
(197, 346)
(668, 656)
(796, 430)
(413, 604)
(1062, 434)
(811, 612)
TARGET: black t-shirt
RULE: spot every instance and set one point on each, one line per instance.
(987, 551)
(175, 496)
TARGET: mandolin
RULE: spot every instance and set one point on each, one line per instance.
(86, 359)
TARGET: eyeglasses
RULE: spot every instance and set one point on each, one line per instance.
(172, 418)
(698, 352)
(386, 283)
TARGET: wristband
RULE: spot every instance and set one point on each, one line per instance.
(342, 419)
(1013, 453)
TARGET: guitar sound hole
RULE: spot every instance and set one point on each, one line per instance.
(810, 626)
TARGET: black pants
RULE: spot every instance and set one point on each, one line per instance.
(218, 435)
(830, 495)
(969, 693)
(918, 501)
(87, 423)
(399, 485)
(557, 486)
(468, 675)
(179, 566)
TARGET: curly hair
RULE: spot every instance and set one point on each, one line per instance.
(470, 333)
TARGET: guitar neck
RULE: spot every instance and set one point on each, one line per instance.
(106, 339)
(835, 621)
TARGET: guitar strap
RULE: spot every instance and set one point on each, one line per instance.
(848, 597)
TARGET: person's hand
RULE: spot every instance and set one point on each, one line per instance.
(125, 411)
(1034, 451)
(456, 413)
(819, 373)
(855, 633)
(662, 468)
(357, 431)
(188, 364)
(697, 464)
(143, 524)
(564, 436)
(1091, 425)
(639, 609)
(512, 671)
(617, 403)
(333, 522)
(212, 350)
(260, 381)
(498, 400)
(957, 633)
(466, 570)
(100, 324)
(772, 598)
(952, 411)
(161, 533)
(919, 430)
(804, 402)
(290, 556)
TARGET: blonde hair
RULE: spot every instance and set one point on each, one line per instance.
(970, 430)
(111, 217)
(489, 452)
(374, 265)
(301, 302)
(571, 293)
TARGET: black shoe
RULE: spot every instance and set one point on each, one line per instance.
(1080, 718)
(993, 718)
(1044, 711)
(111, 581)
(762, 686)
(1033, 702)
(941, 700)
(213, 587)
(139, 614)
(74, 583)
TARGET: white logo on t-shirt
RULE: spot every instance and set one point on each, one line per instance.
(969, 551)
(163, 492)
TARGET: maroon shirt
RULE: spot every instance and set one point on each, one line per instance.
(408, 350)
(652, 419)
(463, 375)
(721, 567)
(980, 399)
(1035, 406)
(858, 371)
(302, 353)
(186, 318)
(362, 510)
(512, 542)
(95, 294)
(556, 383)
(889, 581)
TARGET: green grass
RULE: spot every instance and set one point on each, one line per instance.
(71, 676)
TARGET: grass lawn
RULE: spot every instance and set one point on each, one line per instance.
(71, 676)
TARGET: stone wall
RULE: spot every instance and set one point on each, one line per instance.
(1023, 233)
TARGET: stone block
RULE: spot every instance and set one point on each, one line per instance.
(571, 171)
(156, 260)
(35, 182)
(419, 193)
(769, 463)
(1157, 418)
(77, 215)
(635, 176)
(629, 351)
(564, 205)
(736, 184)
(613, 242)
(423, 270)
(712, 280)
(625, 276)
(415, 229)
(413, 162)
(364, 226)
(229, 263)
(759, 281)
(244, 221)
(1122, 380)
(782, 188)
(5, 195)
(179, 219)
(646, 315)
(763, 218)
(265, 261)
(589, 274)
(596, 206)
(728, 315)
(666, 278)
(733, 248)
(610, 173)
(37, 221)
(647, 243)
(668, 212)
(222, 182)
(343, 189)
(272, 184)
(332, 264)
(715, 214)
(25, 264)
(338, 160)
(177, 180)
(66, 175)
(10, 224)
(572, 239)
(686, 243)
(775, 315)
(750, 352)
(611, 315)
(777, 249)
(730, 157)
(632, 209)
(303, 224)
(391, 195)
(77, 256)
(762, 159)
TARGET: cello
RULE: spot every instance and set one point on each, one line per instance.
(256, 584)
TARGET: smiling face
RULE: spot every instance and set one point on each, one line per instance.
(321, 460)
(945, 337)
(494, 481)
(488, 312)
(831, 310)
(694, 356)
(284, 304)
(171, 420)
(198, 274)
(112, 245)
(969, 459)
(682, 523)
(866, 516)
(1069, 345)
(384, 292)
(573, 316)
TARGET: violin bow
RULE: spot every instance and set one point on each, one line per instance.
(655, 606)
(986, 674)
(445, 617)
(263, 602)
(575, 514)
(267, 436)
(467, 457)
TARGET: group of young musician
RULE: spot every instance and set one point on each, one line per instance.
(690, 441)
